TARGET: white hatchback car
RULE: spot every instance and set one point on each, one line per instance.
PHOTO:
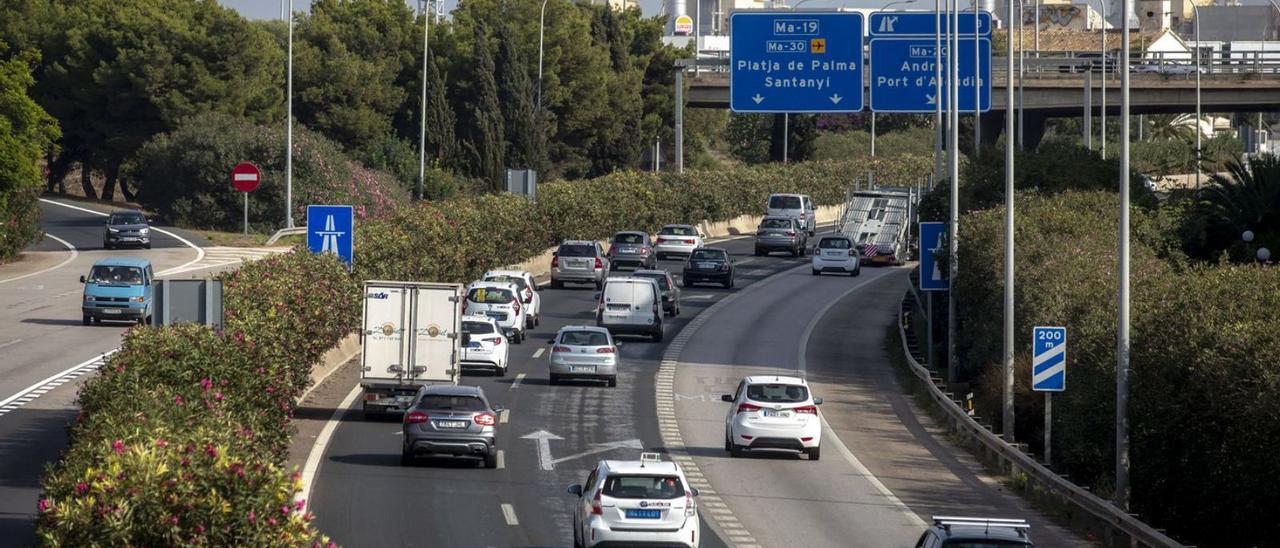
(500, 301)
(644, 502)
(529, 296)
(771, 412)
(487, 348)
(836, 254)
(679, 240)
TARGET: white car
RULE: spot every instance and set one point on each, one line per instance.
(636, 503)
(500, 301)
(836, 254)
(487, 348)
(678, 240)
(583, 352)
(528, 293)
(774, 413)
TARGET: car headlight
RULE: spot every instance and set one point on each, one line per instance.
(145, 231)
(113, 230)
(88, 298)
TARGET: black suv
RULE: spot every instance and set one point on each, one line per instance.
(127, 227)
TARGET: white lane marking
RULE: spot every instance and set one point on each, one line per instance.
(699, 297)
(543, 439)
(516, 383)
(601, 448)
(502, 459)
(30, 393)
(166, 272)
(317, 450)
(11, 343)
(538, 353)
(71, 248)
(503, 416)
(830, 434)
(509, 514)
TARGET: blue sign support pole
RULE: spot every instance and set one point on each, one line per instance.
(1048, 374)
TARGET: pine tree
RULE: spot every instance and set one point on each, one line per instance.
(526, 144)
(485, 133)
(442, 147)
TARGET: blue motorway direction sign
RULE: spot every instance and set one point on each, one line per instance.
(331, 229)
(795, 62)
(917, 23)
(903, 75)
(1049, 359)
(933, 242)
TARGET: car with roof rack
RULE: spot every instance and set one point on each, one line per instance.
(636, 502)
(976, 533)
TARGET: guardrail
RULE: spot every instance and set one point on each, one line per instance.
(1013, 458)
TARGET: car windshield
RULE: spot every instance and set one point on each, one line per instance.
(776, 223)
(707, 255)
(660, 278)
(584, 338)
(507, 279)
(577, 250)
(127, 219)
(628, 238)
(477, 328)
(835, 243)
(643, 487)
(678, 231)
(101, 274)
(452, 403)
(777, 393)
(490, 295)
(784, 202)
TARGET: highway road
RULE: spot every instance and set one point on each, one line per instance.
(779, 319)
(45, 352)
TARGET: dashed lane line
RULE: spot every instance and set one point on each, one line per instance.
(509, 514)
(538, 353)
(516, 383)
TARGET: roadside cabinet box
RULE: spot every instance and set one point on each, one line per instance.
(188, 301)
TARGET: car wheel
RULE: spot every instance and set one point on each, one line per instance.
(735, 450)
(656, 335)
(759, 252)
(142, 320)
(148, 246)
(729, 284)
(555, 379)
(557, 284)
(613, 381)
(814, 452)
(686, 283)
(406, 458)
(491, 460)
(600, 283)
(87, 320)
(815, 272)
(537, 319)
(500, 371)
(728, 445)
(857, 271)
(519, 337)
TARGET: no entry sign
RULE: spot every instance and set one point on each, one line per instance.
(245, 177)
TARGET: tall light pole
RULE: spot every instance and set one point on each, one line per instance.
(1196, 11)
(953, 159)
(1007, 422)
(977, 88)
(1122, 312)
(937, 91)
(288, 132)
(542, 28)
(422, 132)
(1022, 53)
(1264, 42)
(1102, 118)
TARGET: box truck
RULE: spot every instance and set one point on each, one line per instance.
(411, 335)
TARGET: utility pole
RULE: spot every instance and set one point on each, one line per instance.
(288, 139)
(1122, 313)
(937, 91)
(977, 86)
(422, 132)
(1196, 11)
(1102, 114)
(679, 119)
(1007, 422)
(953, 159)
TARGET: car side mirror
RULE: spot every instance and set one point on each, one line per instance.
(727, 398)
(82, 279)
(551, 341)
(817, 400)
(695, 491)
(575, 490)
(617, 344)
(466, 338)
(596, 296)
(555, 253)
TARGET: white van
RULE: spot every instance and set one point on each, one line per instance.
(632, 306)
(795, 206)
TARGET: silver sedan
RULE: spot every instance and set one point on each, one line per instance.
(584, 352)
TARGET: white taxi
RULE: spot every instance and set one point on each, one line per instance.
(636, 502)
(773, 413)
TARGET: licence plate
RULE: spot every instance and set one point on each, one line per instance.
(627, 250)
(451, 424)
(112, 310)
(582, 369)
(707, 266)
(777, 414)
(644, 514)
(496, 315)
(617, 307)
(404, 399)
(473, 344)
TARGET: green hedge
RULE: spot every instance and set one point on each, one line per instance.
(1205, 382)
(26, 133)
(182, 436)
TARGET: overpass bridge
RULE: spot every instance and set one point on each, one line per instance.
(1056, 88)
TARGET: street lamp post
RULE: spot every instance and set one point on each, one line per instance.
(1122, 312)
(937, 90)
(1008, 417)
(977, 88)
(422, 132)
(1102, 50)
(288, 132)
(1196, 11)
(953, 168)
(542, 18)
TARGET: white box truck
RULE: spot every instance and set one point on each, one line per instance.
(411, 335)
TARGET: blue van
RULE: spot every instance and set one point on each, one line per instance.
(118, 289)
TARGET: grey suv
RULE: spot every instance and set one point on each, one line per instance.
(450, 420)
(579, 261)
(632, 249)
(127, 227)
(777, 233)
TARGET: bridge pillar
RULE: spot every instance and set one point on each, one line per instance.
(992, 126)
(1032, 129)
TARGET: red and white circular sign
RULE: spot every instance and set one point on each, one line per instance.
(245, 177)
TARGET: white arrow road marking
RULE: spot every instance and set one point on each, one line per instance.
(543, 439)
(602, 447)
(757, 98)
(835, 98)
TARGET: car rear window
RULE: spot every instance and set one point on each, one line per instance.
(584, 338)
(776, 223)
(628, 238)
(477, 328)
(707, 255)
(777, 393)
(508, 279)
(835, 243)
(577, 250)
(452, 403)
(643, 487)
(678, 231)
(784, 202)
(490, 295)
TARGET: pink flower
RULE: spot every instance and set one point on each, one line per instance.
(253, 518)
(205, 383)
(211, 450)
(178, 400)
(272, 521)
(217, 396)
(162, 443)
(199, 528)
(81, 488)
(118, 446)
(43, 505)
(300, 504)
(173, 520)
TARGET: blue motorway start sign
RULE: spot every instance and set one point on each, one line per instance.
(795, 62)
(904, 67)
(932, 243)
(1049, 359)
(331, 229)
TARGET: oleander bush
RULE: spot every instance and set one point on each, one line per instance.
(1205, 384)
